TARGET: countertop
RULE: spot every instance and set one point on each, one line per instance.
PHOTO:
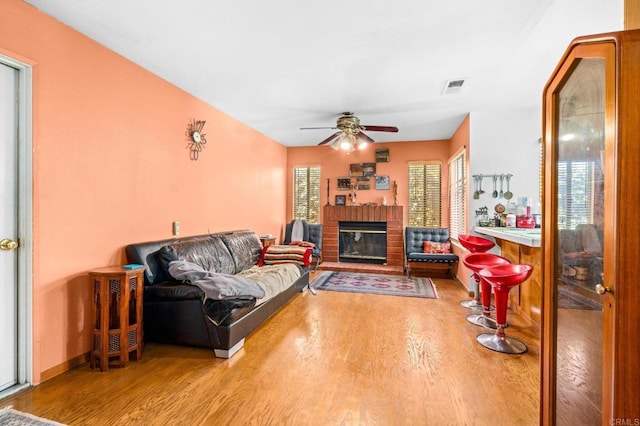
(525, 236)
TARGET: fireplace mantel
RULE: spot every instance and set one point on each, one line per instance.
(392, 215)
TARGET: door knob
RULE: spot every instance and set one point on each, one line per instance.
(600, 289)
(7, 244)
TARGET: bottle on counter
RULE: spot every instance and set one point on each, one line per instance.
(511, 220)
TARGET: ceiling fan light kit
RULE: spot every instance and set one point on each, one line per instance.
(350, 135)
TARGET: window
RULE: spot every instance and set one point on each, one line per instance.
(457, 195)
(575, 193)
(424, 193)
(306, 193)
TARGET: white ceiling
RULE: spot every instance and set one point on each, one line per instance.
(284, 64)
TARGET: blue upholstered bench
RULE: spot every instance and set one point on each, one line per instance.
(414, 237)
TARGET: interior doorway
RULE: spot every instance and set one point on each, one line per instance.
(15, 226)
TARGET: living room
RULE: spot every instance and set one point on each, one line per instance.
(110, 166)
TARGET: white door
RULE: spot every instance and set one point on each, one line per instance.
(8, 227)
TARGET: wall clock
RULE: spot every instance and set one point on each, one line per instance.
(195, 138)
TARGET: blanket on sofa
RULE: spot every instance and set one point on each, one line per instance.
(215, 285)
(260, 282)
(273, 279)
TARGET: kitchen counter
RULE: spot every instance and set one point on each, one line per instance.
(525, 236)
(521, 245)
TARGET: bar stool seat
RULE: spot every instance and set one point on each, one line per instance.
(503, 278)
(476, 262)
(475, 245)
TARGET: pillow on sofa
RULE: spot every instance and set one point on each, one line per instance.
(436, 248)
(273, 255)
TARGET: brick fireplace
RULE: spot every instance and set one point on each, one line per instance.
(391, 215)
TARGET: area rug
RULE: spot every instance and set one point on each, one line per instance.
(11, 417)
(391, 285)
(568, 299)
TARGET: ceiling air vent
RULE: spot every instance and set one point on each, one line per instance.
(452, 87)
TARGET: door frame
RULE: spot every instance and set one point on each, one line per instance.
(25, 225)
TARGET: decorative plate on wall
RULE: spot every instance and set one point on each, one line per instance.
(195, 138)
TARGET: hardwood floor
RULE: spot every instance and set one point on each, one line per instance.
(330, 359)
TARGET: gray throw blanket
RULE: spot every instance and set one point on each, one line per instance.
(216, 286)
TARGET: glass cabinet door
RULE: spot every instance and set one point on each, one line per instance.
(579, 231)
(580, 136)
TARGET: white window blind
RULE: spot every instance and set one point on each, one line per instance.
(457, 195)
(424, 193)
(306, 193)
(575, 193)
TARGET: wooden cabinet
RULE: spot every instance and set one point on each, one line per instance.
(117, 315)
(591, 133)
(525, 298)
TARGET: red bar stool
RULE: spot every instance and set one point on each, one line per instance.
(475, 245)
(502, 278)
(476, 262)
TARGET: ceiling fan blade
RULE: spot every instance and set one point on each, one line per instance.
(381, 128)
(315, 128)
(365, 137)
(330, 138)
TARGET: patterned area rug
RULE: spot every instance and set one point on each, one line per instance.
(392, 285)
(568, 299)
(11, 417)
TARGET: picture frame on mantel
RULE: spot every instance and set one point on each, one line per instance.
(363, 183)
(344, 183)
(368, 169)
(382, 155)
(355, 169)
(382, 182)
(341, 200)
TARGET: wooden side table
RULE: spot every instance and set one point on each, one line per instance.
(117, 314)
(267, 241)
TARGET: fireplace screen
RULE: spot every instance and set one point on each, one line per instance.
(363, 242)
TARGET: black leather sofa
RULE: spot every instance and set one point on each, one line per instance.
(178, 313)
(414, 237)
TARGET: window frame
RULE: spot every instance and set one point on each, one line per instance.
(310, 208)
(425, 195)
(458, 194)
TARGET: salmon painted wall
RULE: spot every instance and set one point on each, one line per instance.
(336, 163)
(110, 168)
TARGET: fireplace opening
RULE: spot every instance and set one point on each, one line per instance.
(362, 242)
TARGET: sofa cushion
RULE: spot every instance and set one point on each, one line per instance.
(210, 253)
(168, 291)
(244, 247)
(273, 255)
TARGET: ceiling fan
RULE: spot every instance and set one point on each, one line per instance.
(350, 134)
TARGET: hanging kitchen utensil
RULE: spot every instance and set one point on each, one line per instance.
(480, 178)
(501, 185)
(476, 193)
(494, 194)
(508, 195)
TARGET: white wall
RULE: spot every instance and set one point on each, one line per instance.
(505, 142)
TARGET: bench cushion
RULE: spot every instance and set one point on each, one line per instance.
(432, 257)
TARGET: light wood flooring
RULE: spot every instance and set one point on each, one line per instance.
(330, 359)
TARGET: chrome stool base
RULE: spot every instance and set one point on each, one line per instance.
(482, 321)
(505, 345)
(471, 304)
